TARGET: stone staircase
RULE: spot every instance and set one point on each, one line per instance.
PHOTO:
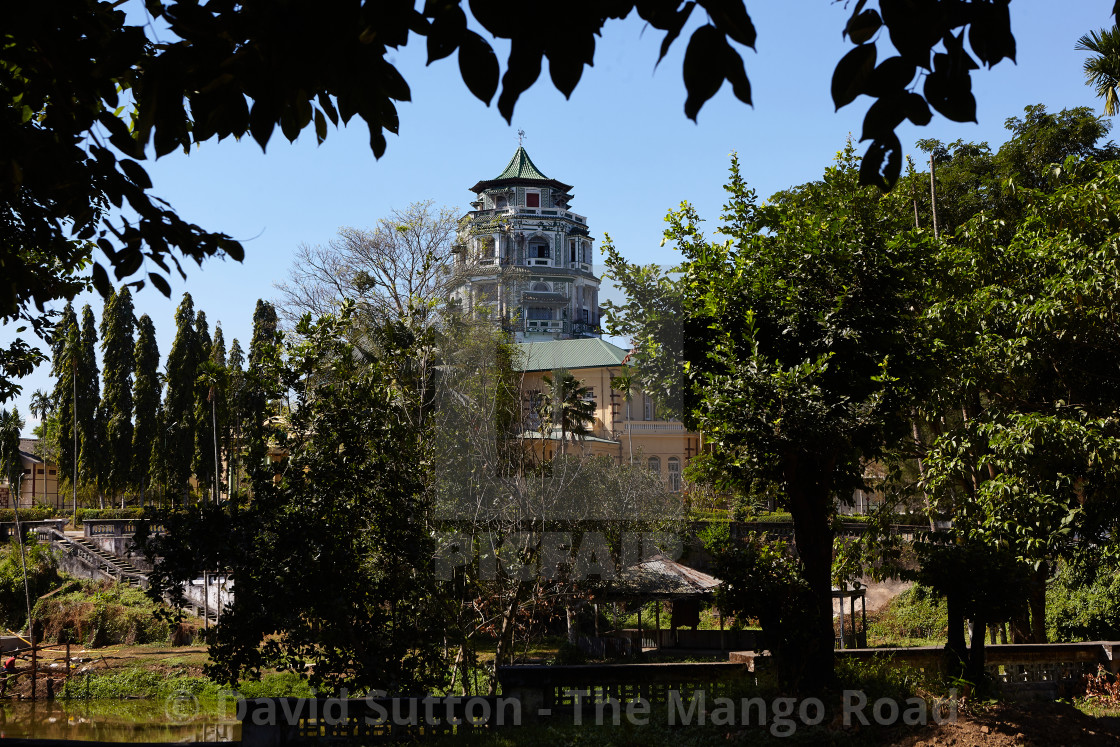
(100, 563)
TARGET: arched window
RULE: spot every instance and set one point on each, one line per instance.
(538, 249)
(500, 202)
(543, 287)
(674, 474)
(655, 465)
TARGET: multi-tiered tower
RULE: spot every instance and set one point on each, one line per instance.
(525, 258)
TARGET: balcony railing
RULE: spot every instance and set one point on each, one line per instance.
(648, 427)
(544, 325)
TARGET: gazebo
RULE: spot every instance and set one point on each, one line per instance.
(658, 579)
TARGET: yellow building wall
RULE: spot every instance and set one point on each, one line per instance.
(642, 438)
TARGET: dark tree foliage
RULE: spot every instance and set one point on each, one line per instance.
(117, 343)
(235, 69)
(65, 341)
(90, 430)
(203, 461)
(235, 393)
(261, 385)
(145, 400)
(178, 404)
(344, 608)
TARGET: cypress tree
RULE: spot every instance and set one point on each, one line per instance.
(222, 405)
(65, 343)
(178, 404)
(234, 396)
(90, 462)
(203, 430)
(145, 401)
(117, 360)
(260, 385)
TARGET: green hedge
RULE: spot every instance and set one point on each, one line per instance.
(27, 514)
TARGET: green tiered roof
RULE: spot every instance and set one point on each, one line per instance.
(521, 167)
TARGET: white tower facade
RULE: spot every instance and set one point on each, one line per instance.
(525, 259)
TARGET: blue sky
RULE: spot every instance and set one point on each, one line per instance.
(622, 140)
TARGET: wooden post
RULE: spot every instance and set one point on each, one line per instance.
(639, 628)
(855, 642)
(657, 622)
(34, 660)
(67, 658)
(863, 606)
(205, 600)
(841, 608)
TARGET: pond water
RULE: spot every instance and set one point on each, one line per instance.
(186, 720)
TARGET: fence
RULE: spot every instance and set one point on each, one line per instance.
(546, 691)
(273, 722)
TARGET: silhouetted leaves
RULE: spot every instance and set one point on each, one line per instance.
(703, 68)
(863, 26)
(882, 163)
(852, 74)
(479, 66)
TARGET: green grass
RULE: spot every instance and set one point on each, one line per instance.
(139, 682)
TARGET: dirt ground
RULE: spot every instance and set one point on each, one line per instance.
(1005, 725)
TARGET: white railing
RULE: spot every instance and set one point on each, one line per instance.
(539, 261)
(544, 325)
(647, 427)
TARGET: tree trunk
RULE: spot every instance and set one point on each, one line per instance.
(572, 611)
(956, 653)
(975, 671)
(1038, 604)
(810, 508)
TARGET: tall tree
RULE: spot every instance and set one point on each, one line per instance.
(260, 387)
(1102, 69)
(203, 460)
(91, 452)
(11, 466)
(67, 348)
(798, 330)
(235, 403)
(117, 350)
(145, 400)
(354, 456)
(396, 270)
(179, 399)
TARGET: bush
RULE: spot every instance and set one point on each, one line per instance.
(42, 576)
(38, 513)
(915, 613)
(1080, 607)
(98, 615)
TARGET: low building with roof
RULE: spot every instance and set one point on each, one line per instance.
(39, 483)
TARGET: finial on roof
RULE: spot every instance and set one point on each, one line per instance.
(520, 137)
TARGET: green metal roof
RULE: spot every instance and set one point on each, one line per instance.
(521, 167)
(551, 355)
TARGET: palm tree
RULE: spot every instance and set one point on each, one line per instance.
(568, 406)
(626, 383)
(1102, 70)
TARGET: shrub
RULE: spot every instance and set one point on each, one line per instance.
(42, 576)
(38, 513)
(915, 613)
(1080, 607)
(100, 615)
